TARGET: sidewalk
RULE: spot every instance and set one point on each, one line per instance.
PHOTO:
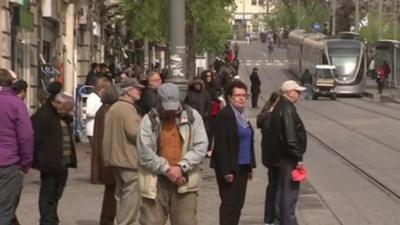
(371, 91)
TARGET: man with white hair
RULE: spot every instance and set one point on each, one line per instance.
(285, 146)
(54, 152)
(119, 150)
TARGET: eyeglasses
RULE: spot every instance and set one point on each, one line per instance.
(156, 80)
(240, 95)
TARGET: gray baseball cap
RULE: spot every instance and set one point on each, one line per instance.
(131, 82)
(169, 96)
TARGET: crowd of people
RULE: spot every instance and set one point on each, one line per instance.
(148, 144)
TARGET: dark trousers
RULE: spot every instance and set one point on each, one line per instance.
(232, 196)
(108, 209)
(51, 189)
(254, 99)
(287, 194)
(10, 186)
(270, 195)
(15, 219)
(381, 85)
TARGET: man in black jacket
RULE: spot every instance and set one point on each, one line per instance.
(54, 153)
(285, 146)
(255, 87)
(149, 97)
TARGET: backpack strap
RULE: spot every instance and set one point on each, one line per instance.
(189, 113)
(154, 123)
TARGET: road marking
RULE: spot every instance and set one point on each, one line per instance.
(257, 64)
(248, 64)
(248, 60)
(280, 64)
(268, 64)
(277, 60)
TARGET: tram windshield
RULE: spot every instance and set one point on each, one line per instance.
(345, 61)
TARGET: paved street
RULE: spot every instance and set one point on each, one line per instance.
(353, 161)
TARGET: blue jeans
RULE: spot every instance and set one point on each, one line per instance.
(10, 186)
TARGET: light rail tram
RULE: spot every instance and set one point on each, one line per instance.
(306, 50)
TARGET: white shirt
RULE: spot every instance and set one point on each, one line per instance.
(371, 65)
(93, 103)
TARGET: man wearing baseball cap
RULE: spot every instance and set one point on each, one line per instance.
(285, 146)
(119, 150)
(172, 142)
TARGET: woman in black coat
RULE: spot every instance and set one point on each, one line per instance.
(263, 121)
(233, 157)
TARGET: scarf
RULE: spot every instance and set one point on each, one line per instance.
(241, 117)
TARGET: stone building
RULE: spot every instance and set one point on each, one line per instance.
(39, 38)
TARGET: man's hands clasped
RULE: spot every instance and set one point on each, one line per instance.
(175, 175)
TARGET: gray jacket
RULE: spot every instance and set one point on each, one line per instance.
(194, 149)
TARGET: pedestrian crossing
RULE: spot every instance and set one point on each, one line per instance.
(277, 62)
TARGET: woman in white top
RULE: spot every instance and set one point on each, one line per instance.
(93, 103)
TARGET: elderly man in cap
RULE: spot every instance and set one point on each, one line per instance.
(285, 147)
(119, 150)
(172, 142)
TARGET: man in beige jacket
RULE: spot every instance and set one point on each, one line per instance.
(119, 150)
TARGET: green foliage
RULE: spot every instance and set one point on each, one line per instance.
(149, 19)
(310, 12)
(213, 25)
(370, 33)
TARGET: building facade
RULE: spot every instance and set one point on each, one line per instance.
(250, 17)
(42, 40)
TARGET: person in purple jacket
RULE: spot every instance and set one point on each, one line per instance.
(16, 147)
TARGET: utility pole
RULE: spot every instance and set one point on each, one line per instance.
(177, 43)
(357, 16)
(244, 19)
(380, 19)
(298, 14)
(396, 24)
(334, 17)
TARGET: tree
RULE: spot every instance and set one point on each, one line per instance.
(344, 13)
(370, 33)
(207, 24)
(286, 13)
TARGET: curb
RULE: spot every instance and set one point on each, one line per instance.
(383, 98)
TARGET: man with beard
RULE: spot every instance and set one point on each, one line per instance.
(172, 142)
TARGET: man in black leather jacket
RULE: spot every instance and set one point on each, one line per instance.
(286, 145)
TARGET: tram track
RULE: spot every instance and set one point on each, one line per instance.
(352, 129)
(374, 180)
(369, 110)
